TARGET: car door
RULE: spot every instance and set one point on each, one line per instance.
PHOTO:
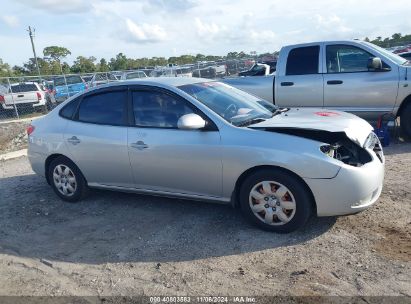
(349, 85)
(299, 82)
(96, 138)
(165, 158)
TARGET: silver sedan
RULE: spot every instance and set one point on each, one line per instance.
(204, 140)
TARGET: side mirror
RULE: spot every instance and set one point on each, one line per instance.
(374, 63)
(191, 122)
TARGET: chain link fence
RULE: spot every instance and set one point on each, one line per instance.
(28, 96)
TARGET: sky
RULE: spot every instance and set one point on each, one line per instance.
(150, 28)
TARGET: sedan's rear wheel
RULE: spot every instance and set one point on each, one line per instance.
(67, 180)
(275, 200)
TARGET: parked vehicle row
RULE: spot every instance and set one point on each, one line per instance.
(352, 76)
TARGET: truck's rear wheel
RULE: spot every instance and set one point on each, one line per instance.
(406, 120)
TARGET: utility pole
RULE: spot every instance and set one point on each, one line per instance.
(31, 34)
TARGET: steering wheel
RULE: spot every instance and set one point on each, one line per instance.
(230, 111)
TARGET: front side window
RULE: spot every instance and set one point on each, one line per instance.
(346, 59)
(157, 109)
(303, 60)
(104, 108)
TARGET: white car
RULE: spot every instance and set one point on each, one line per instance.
(26, 95)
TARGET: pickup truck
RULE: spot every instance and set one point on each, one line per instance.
(352, 76)
(26, 96)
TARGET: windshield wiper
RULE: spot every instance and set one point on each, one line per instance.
(250, 122)
(279, 111)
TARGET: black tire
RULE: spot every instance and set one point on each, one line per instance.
(81, 189)
(302, 196)
(405, 120)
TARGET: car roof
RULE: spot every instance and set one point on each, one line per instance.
(170, 81)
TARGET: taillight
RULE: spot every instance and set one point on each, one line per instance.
(30, 129)
(2, 99)
(38, 95)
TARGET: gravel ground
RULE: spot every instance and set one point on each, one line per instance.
(125, 244)
(13, 136)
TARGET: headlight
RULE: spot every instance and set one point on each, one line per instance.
(371, 141)
(329, 150)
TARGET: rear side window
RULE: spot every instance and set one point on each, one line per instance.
(69, 109)
(24, 87)
(104, 108)
(303, 60)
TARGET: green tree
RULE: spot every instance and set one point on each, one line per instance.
(5, 69)
(102, 66)
(118, 63)
(83, 65)
(56, 52)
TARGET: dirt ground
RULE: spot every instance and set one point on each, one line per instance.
(125, 244)
(13, 136)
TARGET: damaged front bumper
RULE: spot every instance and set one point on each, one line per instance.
(352, 190)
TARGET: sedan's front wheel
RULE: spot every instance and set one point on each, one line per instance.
(67, 180)
(275, 200)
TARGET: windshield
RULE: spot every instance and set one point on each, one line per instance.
(235, 106)
(69, 79)
(135, 75)
(394, 57)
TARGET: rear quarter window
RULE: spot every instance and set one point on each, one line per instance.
(69, 109)
(303, 60)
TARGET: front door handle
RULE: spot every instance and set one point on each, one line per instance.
(74, 140)
(334, 82)
(287, 84)
(140, 145)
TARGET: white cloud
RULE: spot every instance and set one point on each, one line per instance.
(59, 6)
(11, 21)
(145, 33)
(242, 33)
(331, 23)
(207, 30)
(174, 6)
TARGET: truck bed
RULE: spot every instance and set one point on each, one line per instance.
(260, 86)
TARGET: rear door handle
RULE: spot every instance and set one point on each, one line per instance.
(140, 145)
(287, 84)
(334, 82)
(74, 140)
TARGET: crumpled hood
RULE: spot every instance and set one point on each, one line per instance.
(356, 129)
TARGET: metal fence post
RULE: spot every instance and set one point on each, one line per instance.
(65, 82)
(12, 98)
